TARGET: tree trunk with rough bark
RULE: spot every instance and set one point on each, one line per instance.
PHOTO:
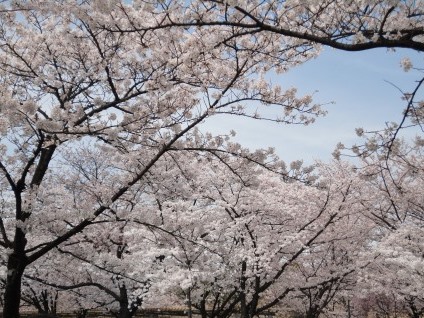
(12, 294)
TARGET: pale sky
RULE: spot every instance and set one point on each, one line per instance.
(357, 83)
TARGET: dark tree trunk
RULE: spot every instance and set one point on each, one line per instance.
(12, 293)
(349, 312)
(202, 308)
(413, 311)
(124, 312)
(15, 269)
(313, 312)
(243, 309)
(82, 313)
(18, 261)
(189, 304)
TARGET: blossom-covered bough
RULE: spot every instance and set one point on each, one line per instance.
(349, 26)
(132, 81)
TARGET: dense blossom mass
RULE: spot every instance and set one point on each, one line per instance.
(113, 197)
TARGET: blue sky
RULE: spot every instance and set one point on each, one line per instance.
(358, 84)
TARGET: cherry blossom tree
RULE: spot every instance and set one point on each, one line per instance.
(398, 270)
(67, 82)
(249, 240)
(329, 272)
(133, 80)
(396, 178)
(45, 300)
(392, 171)
(103, 273)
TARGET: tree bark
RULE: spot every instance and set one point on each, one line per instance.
(16, 265)
(124, 312)
(243, 309)
(18, 261)
(189, 305)
(12, 294)
(313, 312)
